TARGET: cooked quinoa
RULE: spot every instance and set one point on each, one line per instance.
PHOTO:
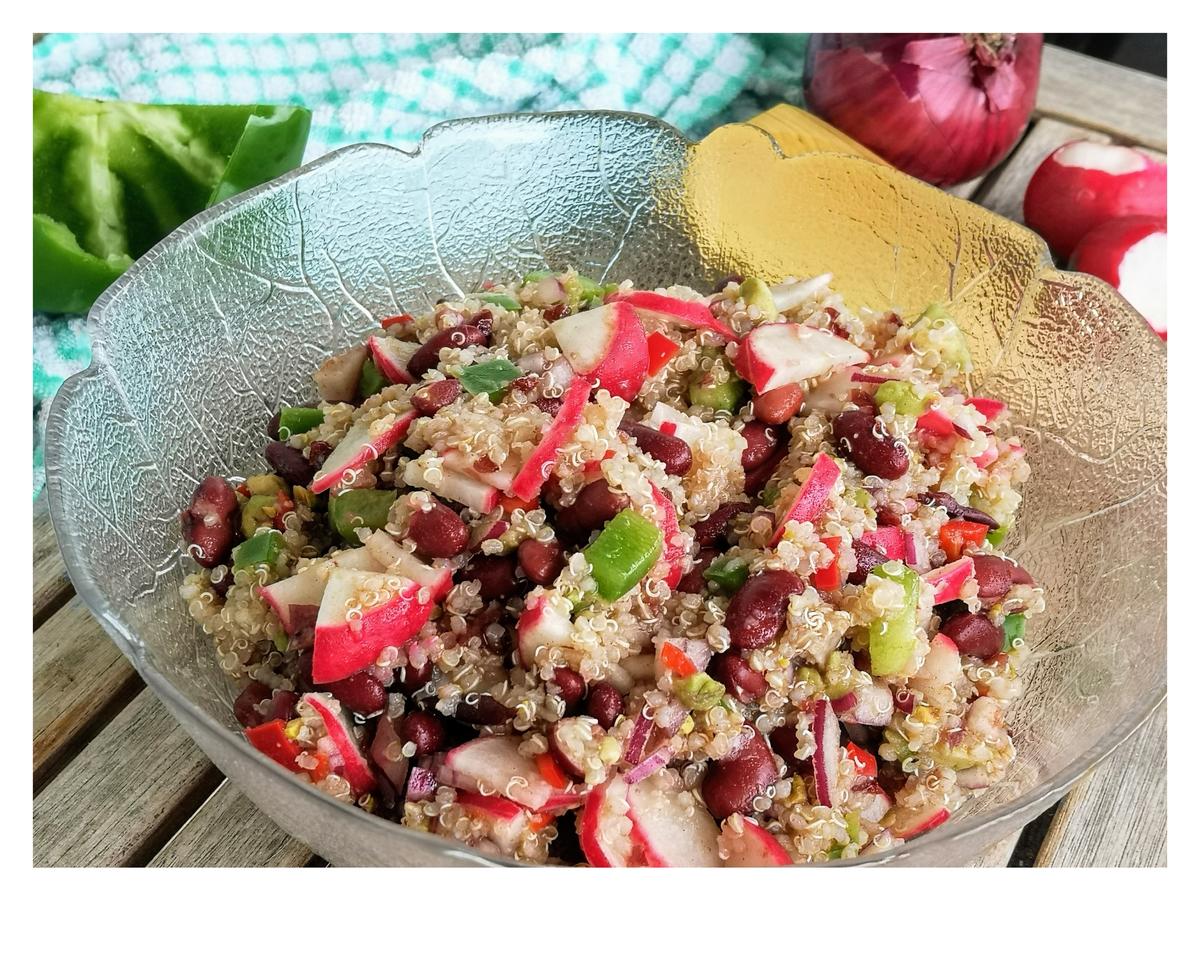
(590, 574)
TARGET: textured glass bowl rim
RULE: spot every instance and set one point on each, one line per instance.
(993, 823)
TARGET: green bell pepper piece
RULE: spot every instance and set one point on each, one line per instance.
(996, 537)
(488, 377)
(705, 390)
(729, 575)
(370, 380)
(262, 548)
(352, 509)
(111, 179)
(699, 692)
(584, 289)
(623, 553)
(894, 636)
(1014, 630)
(500, 299)
(902, 395)
(294, 420)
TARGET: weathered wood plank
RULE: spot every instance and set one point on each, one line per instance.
(125, 794)
(51, 588)
(1128, 104)
(80, 679)
(1117, 816)
(1004, 189)
(227, 831)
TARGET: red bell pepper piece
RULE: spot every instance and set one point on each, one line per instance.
(828, 578)
(957, 535)
(662, 351)
(272, 741)
(402, 319)
(551, 772)
(864, 761)
(676, 661)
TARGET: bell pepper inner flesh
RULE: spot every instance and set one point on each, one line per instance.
(623, 553)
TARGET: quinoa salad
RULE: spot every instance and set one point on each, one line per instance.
(598, 575)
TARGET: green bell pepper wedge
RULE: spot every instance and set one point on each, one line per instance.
(893, 637)
(729, 575)
(352, 509)
(370, 380)
(1014, 630)
(262, 548)
(294, 420)
(623, 553)
(112, 178)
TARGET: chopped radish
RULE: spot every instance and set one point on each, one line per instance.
(500, 478)
(671, 421)
(672, 552)
(1131, 255)
(987, 457)
(337, 379)
(493, 765)
(505, 820)
(354, 768)
(607, 345)
(942, 666)
(911, 822)
(1084, 184)
(692, 315)
(916, 552)
(990, 409)
(889, 541)
(973, 778)
(602, 837)
(947, 581)
(825, 759)
(673, 828)
(791, 295)
(363, 443)
(458, 487)
(399, 561)
(785, 352)
(296, 599)
(750, 845)
(396, 771)
(342, 645)
(532, 476)
(358, 558)
(870, 705)
(812, 496)
(544, 623)
(937, 423)
(392, 356)
(869, 799)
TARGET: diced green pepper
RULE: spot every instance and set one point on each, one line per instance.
(729, 575)
(112, 178)
(770, 495)
(294, 420)
(623, 553)
(257, 511)
(371, 379)
(834, 852)
(718, 388)
(754, 291)
(352, 509)
(262, 548)
(1014, 630)
(583, 289)
(488, 377)
(893, 637)
(500, 299)
(699, 692)
(901, 395)
(996, 537)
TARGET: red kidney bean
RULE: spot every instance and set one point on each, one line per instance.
(477, 625)
(438, 531)
(882, 456)
(761, 443)
(674, 454)
(756, 479)
(974, 634)
(784, 743)
(424, 730)
(732, 783)
(361, 693)
(605, 704)
(273, 426)
(994, 576)
(457, 336)
(244, 709)
(739, 678)
(283, 705)
(483, 320)
(712, 529)
(318, 453)
(541, 562)
(722, 282)
(866, 558)
(208, 521)
(570, 687)
(289, 463)
(885, 516)
(497, 576)
(482, 710)
(550, 405)
(429, 399)
(594, 506)
(694, 581)
(556, 311)
(779, 405)
(411, 679)
(758, 611)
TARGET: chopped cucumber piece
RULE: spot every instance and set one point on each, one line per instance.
(839, 674)
(902, 395)
(699, 692)
(893, 637)
(754, 291)
(256, 512)
(623, 553)
(718, 388)
(352, 509)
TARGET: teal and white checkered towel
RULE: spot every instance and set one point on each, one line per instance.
(391, 88)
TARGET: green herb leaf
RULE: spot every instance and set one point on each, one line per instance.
(488, 376)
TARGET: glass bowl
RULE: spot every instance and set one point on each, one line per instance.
(201, 340)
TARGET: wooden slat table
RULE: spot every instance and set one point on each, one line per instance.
(117, 782)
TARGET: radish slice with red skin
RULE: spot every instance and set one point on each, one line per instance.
(947, 581)
(501, 478)
(990, 409)
(889, 541)
(869, 800)
(749, 845)
(1131, 255)
(494, 765)
(606, 345)
(363, 443)
(604, 843)
(340, 731)
(781, 353)
(504, 819)
(668, 522)
(674, 829)
(911, 822)
(813, 495)
(529, 481)
(459, 487)
(692, 315)
(391, 357)
(828, 734)
(791, 295)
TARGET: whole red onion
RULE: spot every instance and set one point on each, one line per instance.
(942, 107)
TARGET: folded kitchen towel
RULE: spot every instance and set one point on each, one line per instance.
(392, 87)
